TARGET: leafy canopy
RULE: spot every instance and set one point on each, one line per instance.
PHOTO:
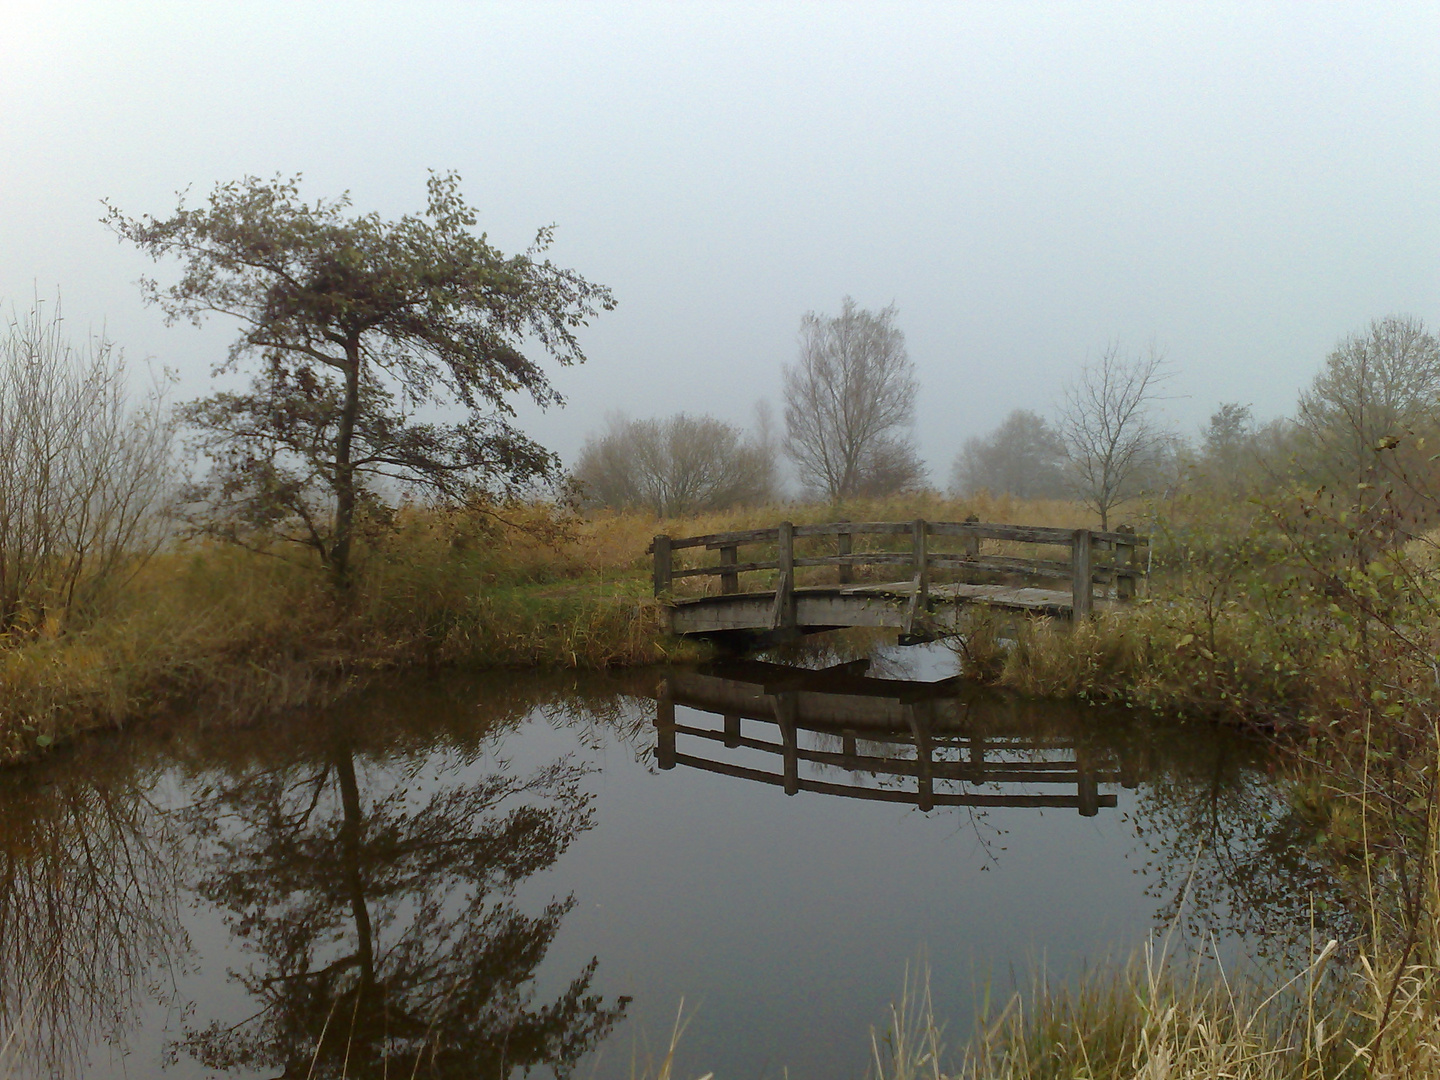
(361, 332)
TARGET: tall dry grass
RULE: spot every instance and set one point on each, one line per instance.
(234, 631)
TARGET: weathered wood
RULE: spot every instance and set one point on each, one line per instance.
(729, 578)
(1024, 534)
(1028, 534)
(908, 605)
(863, 558)
(664, 729)
(736, 568)
(919, 552)
(855, 528)
(1124, 555)
(661, 546)
(1002, 564)
(1081, 584)
(715, 540)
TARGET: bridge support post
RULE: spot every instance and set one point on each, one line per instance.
(662, 564)
(1082, 570)
(843, 546)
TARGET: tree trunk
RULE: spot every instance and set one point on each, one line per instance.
(345, 469)
(350, 839)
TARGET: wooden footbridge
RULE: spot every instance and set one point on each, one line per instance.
(947, 566)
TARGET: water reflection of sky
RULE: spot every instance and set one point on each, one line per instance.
(785, 923)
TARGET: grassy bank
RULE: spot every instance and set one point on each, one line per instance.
(235, 632)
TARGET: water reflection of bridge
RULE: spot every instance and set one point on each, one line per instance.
(925, 744)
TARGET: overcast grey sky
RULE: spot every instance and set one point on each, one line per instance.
(1241, 184)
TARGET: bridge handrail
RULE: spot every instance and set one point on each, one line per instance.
(1025, 534)
(1080, 569)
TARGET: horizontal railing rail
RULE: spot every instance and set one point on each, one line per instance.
(1122, 569)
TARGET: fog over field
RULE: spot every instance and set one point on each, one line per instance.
(1239, 185)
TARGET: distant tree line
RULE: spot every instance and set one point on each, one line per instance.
(849, 419)
(850, 410)
(1378, 391)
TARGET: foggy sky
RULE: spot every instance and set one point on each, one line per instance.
(1241, 185)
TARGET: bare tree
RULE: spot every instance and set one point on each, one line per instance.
(1110, 435)
(1377, 386)
(849, 405)
(83, 471)
(677, 466)
(1024, 456)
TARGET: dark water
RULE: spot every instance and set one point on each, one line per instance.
(510, 871)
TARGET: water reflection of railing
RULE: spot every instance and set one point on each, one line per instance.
(927, 736)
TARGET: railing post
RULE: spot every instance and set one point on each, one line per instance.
(843, 546)
(918, 529)
(784, 612)
(1082, 570)
(1124, 561)
(664, 728)
(972, 542)
(729, 580)
(918, 610)
(662, 564)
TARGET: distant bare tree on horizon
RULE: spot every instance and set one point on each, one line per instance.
(1110, 434)
(849, 405)
(676, 466)
(1024, 456)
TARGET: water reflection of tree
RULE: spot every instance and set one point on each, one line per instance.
(1227, 853)
(89, 923)
(383, 914)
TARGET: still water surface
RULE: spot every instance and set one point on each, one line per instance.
(518, 870)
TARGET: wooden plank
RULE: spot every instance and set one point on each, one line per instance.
(1025, 534)
(729, 575)
(855, 528)
(1081, 578)
(1028, 534)
(733, 568)
(784, 616)
(1124, 575)
(744, 536)
(661, 547)
(864, 558)
(1003, 564)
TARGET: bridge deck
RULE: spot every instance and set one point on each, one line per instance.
(887, 604)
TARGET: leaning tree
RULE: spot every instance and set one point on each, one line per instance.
(361, 336)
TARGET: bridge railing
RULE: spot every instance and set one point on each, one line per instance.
(1095, 557)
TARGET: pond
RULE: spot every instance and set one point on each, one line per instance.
(489, 873)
